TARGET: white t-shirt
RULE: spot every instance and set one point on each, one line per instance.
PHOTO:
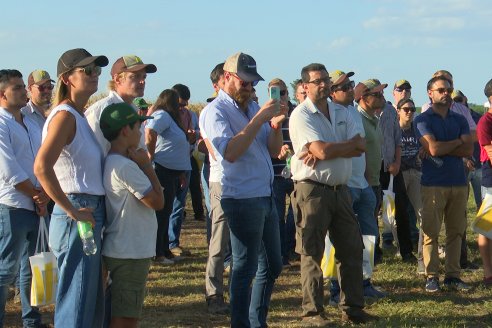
(131, 227)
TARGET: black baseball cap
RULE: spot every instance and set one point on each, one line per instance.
(78, 58)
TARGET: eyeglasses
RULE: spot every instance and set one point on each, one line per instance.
(375, 94)
(283, 92)
(403, 89)
(408, 109)
(443, 90)
(325, 80)
(244, 83)
(90, 70)
(346, 87)
(43, 88)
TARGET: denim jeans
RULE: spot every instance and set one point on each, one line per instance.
(79, 297)
(253, 224)
(282, 188)
(18, 233)
(364, 203)
(475, 178)
(177, 214)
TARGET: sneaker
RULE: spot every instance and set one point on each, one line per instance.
(216, 305)
(452, 283)
(163, 260)
(371, 292)
(409, 258)
(469, 266)
(317, 320)
(178, 251)
(420, 267)
(432, 285)
(359, 318)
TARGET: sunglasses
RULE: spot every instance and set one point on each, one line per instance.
(283, 92)
(43, 88)
(244, 83)
(403, 89)
(408, 109)
(443, 90)
(90, 70)
(346, 87)
(325, 80)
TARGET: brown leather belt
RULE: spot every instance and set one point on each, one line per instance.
(322, 185)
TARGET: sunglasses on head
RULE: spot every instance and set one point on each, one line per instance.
(244, 83)
(443, 90)
(90, 70)
(43, 88)
(346, 87)
(408, 109)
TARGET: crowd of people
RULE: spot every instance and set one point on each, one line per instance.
(277, 179)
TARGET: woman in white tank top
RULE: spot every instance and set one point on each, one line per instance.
(69, 167)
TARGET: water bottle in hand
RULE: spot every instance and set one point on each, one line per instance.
(286, 174)
(87, 235)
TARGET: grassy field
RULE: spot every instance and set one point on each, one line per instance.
(176, 294)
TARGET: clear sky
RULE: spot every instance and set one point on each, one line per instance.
(387, 39)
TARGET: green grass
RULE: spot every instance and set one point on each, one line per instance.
(176, 294)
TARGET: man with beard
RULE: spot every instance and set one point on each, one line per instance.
(444, 134)
(324, 138)
(39, 85)
(239, 131)
(127, 82)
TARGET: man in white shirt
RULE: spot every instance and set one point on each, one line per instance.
(21, 199)
(40, 87)
(127, 82)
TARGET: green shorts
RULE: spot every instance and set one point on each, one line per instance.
(128, 278)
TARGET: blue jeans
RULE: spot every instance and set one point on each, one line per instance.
(255, 241)
(18, 233)
(283, 188)
(79, 297)
(475, 178)
(364, 204)
(177, 215)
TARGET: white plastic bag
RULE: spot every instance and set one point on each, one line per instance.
(44, 270)
(389, 209)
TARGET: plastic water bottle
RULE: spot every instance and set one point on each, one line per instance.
(286, 171)
(87, 236)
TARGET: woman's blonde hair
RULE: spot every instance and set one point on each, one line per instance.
(61, 91)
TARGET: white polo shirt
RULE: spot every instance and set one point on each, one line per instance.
(307, 124)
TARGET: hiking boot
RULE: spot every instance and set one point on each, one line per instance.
(452, 283)
(359, 318)
(432, 285)
(317, 320)
(178, 251)
(216, 305)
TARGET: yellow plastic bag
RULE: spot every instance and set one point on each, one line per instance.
(328, 264)
(44, 271)
(483, 222)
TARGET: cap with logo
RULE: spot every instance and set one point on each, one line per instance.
(338, 77)
(78, 58)
(116, 116)
(131, 63)
(38, 77)
(368, 86)
(488, 89)
(402, 83)
(140, 103)
(244, 66)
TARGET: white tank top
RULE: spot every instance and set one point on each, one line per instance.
(79, 167)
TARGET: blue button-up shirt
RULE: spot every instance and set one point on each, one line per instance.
(18, 148)
(251, 175)
(453, 126)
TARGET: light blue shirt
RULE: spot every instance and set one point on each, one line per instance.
(172, 149)
(251, 175)
(358, 179)
(31, 111)
(18, 148)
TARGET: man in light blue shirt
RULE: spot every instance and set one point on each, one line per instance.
(238, 129)
(21, 198)
(40, 86)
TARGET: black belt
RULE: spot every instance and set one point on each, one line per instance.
(322, 185)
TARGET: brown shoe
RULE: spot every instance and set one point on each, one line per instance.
(317, 320)
(359, 318)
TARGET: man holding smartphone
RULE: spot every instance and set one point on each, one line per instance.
(245, 137)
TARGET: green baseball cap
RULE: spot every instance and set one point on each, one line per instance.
(338, 77)
(116, 116)
(140, 103)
